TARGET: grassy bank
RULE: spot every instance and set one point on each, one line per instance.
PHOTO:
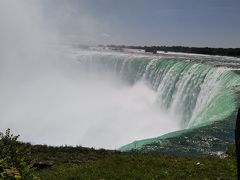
(142, 166)
(26, 161)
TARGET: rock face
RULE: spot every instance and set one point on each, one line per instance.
(43, 164)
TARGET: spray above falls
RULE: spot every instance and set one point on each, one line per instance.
(48, 98)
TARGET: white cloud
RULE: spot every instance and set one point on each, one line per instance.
(105, 35)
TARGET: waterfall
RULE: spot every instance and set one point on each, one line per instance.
(196, 93)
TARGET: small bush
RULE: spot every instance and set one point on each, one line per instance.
(14, 162)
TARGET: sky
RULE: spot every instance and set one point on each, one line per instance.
(212, 23)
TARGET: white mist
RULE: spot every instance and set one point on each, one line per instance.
(46, 100)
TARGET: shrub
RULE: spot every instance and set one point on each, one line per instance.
(14, 158)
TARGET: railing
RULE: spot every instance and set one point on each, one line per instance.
(237, 141)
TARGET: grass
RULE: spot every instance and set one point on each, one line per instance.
(144, 166)
(68, 154)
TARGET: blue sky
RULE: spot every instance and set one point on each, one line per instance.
(213, 23)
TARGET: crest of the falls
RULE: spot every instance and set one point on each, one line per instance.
(195, 93)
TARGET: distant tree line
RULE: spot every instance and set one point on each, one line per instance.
(196, 50)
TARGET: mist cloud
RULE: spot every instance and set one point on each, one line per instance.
(44, 96)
